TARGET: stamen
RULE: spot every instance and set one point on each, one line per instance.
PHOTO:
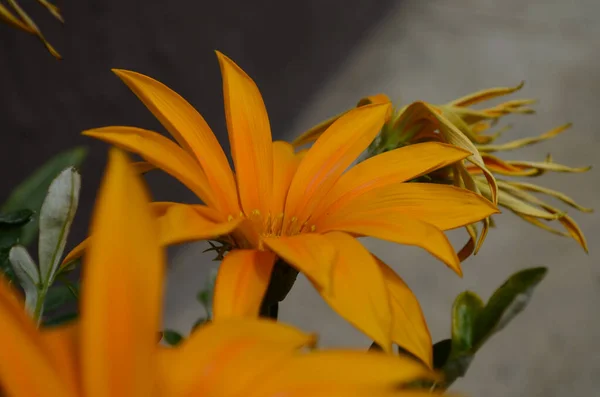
(277, 224)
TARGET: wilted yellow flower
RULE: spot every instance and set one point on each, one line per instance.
(18, 18)
(112, 350)
(459, 124)
(302, 208)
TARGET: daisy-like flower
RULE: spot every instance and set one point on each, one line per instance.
(301, 208)
(112, 350)
(18, 18)
(461, 125)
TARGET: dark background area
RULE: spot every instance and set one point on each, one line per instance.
(288, 48)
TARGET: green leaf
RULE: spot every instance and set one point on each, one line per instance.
(441, 353)
(31, 192)
(203, 297)
(473, 323)
(60, 319)
(56, 217)
(173, 338)
(15, 218)
(11, 224)
(58, 296)
(5, 266)
(508, 301)
(467, 306)
(29, 277)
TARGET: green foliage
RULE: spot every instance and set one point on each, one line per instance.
(171, 337)
(31, 192)
(473, 323)
(11, 225)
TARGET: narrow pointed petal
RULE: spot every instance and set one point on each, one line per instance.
(334, 369)
(393, 167)
(285, 164)
(329, 157)
(315, 132)
(443, 206)
(31, 26)
(358, 292)
(518, 201)
(8, 17)
(485, 95)
(547, 166)
(160, 151)
(409, 328)
(249, 136)
(311, 254)
(499, 166)
(229, 349)
(203, 223)
(572, 228)
(402, 229)
(470, 246)
(75, 253)
(192, 132)
(550, 192)
(25, 355)
(519, 143)
(122, 288)
(241, 283)
(143, 167)
(451, 127)
(182, 223)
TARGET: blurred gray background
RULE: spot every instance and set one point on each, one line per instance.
(312, 60)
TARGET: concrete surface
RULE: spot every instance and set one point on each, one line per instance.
(436, 51)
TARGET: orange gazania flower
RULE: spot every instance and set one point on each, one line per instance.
(305, 209)
(112, 349)
(459, 124)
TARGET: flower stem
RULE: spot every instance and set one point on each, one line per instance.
(39, 304)
(282, 280)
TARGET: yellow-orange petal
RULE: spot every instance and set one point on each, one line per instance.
(121, 301)
(192, 132)
(409, 328)
(249, 137)
(160, 151)
(310, 253)
(27, 367)
(315, 132)
(572, 228)
(358, 292)
(285, 163)
(331, 369)
(448, 125)
(329, 157)
(63, 343)
(519, 143)
(241, 283)
(75, 253)
(443, 206)
(8, 17)
(235, 348)
(485, 95)
(182, 223)
(402, 229)
(395, 166)
(159, 209)
(143, 167)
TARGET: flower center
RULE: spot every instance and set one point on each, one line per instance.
(269, 225)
